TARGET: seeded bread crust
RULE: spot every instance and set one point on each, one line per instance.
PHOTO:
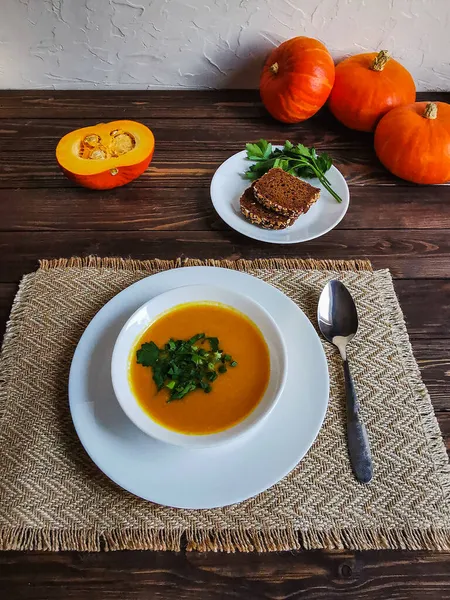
(257, 214)
(283, 193)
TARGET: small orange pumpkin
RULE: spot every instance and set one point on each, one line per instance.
(413, 142)
(296, 79)
(106, 155)
(366, 87)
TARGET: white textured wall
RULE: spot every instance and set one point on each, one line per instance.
(199, 44)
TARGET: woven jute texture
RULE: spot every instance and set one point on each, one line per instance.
(53, 497)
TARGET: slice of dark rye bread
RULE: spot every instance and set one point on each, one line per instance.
(256, 213)
(284, 193)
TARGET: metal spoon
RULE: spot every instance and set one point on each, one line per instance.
(338, 322)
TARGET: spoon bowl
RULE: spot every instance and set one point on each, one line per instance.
(337, 315)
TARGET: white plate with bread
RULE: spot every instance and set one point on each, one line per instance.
(263, 212)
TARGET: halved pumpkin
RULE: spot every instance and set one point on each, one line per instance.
(106, 155)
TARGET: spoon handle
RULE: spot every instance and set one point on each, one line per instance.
(357, 439)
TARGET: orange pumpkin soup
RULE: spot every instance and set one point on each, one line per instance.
(233, 395)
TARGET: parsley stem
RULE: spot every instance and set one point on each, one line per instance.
(326, 184)
(312, 164)
(323, 179)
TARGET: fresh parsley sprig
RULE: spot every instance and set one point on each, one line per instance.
(182, 366)
(297, 160)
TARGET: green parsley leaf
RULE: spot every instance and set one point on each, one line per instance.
(148, 354)
(259, 151)
(158, 376)
(254, 152)
(324, 162)
(197, 360)
(195, 338)
(214, 343)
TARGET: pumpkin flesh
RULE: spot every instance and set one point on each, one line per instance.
(297, 79)
(413, 142)
(106, 155)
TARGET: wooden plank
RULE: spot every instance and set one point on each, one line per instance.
(171, 576)
(186, 155)
(139, 104)
(408, 254)
(133, 104)
(443, 419)
(179, 136)
(172, 169)
(132, 208)
(7, 293)
(178, 167)
(426, 306)
(125, 208)
(433, 357)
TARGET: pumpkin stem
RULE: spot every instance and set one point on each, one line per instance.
(274, 68)
(431, 111)
(380, 61)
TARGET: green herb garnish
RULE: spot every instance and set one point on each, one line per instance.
(182, 366)
(297, 160)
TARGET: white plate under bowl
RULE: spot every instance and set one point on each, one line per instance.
(210, 477)
(228, 185)
(141, 320)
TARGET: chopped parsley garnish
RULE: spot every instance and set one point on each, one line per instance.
(182, 366)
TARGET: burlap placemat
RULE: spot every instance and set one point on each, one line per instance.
(52, 497)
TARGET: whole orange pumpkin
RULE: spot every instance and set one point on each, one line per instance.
(413, 142)
(367, 86)
(296, 79)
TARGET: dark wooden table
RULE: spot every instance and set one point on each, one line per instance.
(167, 213)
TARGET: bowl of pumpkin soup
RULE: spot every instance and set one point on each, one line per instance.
(199, 366)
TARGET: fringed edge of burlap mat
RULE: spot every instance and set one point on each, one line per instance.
(242, 540)
(156, 264)
(230, 541)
